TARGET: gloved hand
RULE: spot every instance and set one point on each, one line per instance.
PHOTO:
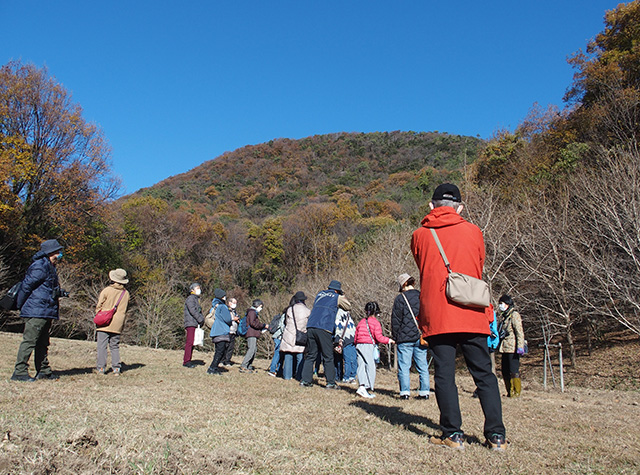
(520, 351)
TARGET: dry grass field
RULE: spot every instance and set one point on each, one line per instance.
(159, 417)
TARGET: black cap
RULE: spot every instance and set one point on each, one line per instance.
(447, 191)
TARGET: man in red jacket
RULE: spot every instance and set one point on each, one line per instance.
(447, 324)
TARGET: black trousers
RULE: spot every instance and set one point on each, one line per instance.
(510, 365)
(476, 354)
(221, 348)
(230, 347)
(319, 342)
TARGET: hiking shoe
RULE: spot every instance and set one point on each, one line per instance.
(99, 370)
(189, 364)
(246, 370)
(362, 392)
(214, 371)
(454, 441)
(271, 373)
(306, 384)
(49, 376)
(497, 442)
(331, 386)
(22, 377)
(404, 396)
(117, 372)
(423, 396)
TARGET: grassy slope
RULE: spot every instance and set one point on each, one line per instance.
(161, 418)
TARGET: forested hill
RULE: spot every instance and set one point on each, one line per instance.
(383, 173)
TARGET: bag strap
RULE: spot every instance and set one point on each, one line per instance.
(366, 320)
(412, 314)
(118, 302)
(293, 315)
(439, 244)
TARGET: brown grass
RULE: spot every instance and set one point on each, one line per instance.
(161, 418)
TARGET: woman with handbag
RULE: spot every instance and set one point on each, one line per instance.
(297, 315)
(368, 336)
(511, 346)
(115, 297)
(404, 329)
(192, 319)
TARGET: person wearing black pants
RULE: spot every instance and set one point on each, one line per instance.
(319, 342)
(476, 354)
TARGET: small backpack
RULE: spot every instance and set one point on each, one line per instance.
(210, 317)
(243, 326)
(277, 323)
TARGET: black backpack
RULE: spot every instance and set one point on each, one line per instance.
(9, 300)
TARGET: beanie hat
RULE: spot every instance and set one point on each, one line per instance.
(219, 294)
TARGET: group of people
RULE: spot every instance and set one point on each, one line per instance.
(326, 333)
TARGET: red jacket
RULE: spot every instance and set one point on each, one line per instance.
(464, 247)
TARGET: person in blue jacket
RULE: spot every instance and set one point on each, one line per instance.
(320, 330)
(220, 329)
(38, 304)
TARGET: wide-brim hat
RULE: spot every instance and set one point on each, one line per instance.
(119, 276)
(402, 279)
(50, 246)
(335, 285)
(299, 296)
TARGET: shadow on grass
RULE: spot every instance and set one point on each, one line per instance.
(91, 369)
(395, 415)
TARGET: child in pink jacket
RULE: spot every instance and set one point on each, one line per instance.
(368, 336)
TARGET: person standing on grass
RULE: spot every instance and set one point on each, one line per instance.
(110, 297)
(193, 318)
(296, 320)
(255, 328)
(220, 329)
(346, 361)
(320, 329)
(37, 300)
(233, 332)
(448, 325)
(406, 333)
(368, 336)
(512, 346)
(276, 361)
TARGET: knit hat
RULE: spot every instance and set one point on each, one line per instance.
(336, 285)
(402, 279)
(219, 294)
(119, 276)
(447, 191)
(50, 246)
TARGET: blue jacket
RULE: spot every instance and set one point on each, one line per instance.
(38, 297)
(222, 321)
(323, 313)
(493, 340)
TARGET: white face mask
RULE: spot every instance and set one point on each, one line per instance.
(233, 305)
(503, 306)
(259, 309)
(197, 291)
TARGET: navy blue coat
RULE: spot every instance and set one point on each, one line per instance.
(38, 294)
(323, 313)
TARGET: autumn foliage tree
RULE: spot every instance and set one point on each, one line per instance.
(54, 167)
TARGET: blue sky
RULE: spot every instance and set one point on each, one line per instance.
(174, 84)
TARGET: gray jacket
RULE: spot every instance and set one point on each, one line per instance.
(193, 312)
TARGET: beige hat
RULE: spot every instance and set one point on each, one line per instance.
(402, 279)
(119, 276)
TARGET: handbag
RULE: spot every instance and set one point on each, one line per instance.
(462, 288)
(8, 300)
(376, 348)
(423, 342)
(104, 317)
(198, 337)
(301, 337)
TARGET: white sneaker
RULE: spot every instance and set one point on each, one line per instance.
(362, 391)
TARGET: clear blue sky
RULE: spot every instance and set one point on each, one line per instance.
(173, 84)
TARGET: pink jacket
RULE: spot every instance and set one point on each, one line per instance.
(362, 335)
